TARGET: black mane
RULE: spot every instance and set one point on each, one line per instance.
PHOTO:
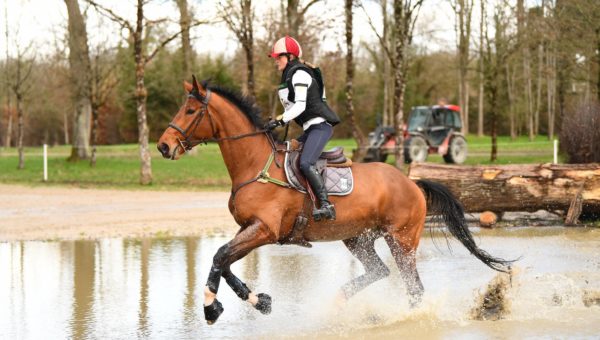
(244, 103)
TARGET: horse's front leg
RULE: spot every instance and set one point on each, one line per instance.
(252, 237)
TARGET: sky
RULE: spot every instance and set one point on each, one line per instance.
(42, 23)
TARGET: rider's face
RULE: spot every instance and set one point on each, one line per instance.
(281, 61)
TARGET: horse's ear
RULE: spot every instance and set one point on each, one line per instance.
(195, 86)
(187, 86)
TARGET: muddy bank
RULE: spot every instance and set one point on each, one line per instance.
(60, 213)
(48, 213)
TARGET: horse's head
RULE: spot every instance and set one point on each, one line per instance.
(190, 126)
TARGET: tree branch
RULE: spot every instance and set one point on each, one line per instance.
(107, 12)
(171, 38)
(383, 44)
(303, 11)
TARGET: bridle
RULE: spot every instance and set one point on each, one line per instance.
(187, 143)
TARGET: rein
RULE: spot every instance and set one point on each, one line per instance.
(187, 144)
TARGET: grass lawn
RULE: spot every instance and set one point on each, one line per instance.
(118, 165)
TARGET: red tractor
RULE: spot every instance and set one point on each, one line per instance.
(430, 129)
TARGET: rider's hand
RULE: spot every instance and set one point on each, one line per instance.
(272, 124)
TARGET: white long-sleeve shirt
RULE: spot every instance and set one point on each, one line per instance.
(301, 80)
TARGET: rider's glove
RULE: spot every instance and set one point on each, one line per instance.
(272, 124)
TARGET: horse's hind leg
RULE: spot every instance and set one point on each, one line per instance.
(363, 248)
(404, 252)
(243, 243)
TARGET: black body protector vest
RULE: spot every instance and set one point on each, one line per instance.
(315, 99)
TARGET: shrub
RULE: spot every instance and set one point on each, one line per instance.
(580, 133)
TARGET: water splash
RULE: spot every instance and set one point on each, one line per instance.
(493, 304)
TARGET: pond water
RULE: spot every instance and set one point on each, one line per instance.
(153, 288)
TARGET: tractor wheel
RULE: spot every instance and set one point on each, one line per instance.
(457, 150)
(415, 149)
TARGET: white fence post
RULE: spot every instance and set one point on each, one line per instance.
(45, 162)
(556, 151)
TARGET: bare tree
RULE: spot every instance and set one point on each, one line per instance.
(510, 85)
(295, 15)
(388, 115)
(9, 113)
(463, 10)
(21, 87)
(187, 52)
(405, 16)
(81, 82)
(136, 31)
(104, 80)
(551, 90)
(359, 136)
(480, 64)
(239, 20)
(523, 41)
(495, 58)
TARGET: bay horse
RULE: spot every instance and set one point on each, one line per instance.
(384, 202)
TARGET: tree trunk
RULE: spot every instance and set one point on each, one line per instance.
(66, 126)
(494, 153)
(9, 128)
(239, 20)
(248, 43)
(94, 133)
(140, 98)
(480, 107)
(551, 90)
(598, 63)
(400, 45)
(9, 114)
(529, 95)
(481, 80)
(187, 54)
(250, 71)
(386, 119)
(527, 187)
(357, 133)
(20, 130)
(538, 98)
(463, 9)
(79, 61)
(293, 18)
(511, 106)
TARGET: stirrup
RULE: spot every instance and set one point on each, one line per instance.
(327, 211)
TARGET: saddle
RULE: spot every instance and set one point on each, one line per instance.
(337, 174)
(332, 165)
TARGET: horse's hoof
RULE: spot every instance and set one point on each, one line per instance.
(264, 303)
(212, 312)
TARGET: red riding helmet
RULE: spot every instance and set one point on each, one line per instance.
(286, 45)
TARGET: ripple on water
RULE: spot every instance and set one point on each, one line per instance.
(152, 288)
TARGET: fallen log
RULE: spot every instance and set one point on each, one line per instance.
(523, 187)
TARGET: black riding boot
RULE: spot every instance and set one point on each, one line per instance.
(326, 210)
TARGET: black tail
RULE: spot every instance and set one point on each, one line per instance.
(441, 201)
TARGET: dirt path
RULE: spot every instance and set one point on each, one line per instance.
(43, 213)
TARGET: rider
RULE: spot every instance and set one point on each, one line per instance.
(302, 94)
